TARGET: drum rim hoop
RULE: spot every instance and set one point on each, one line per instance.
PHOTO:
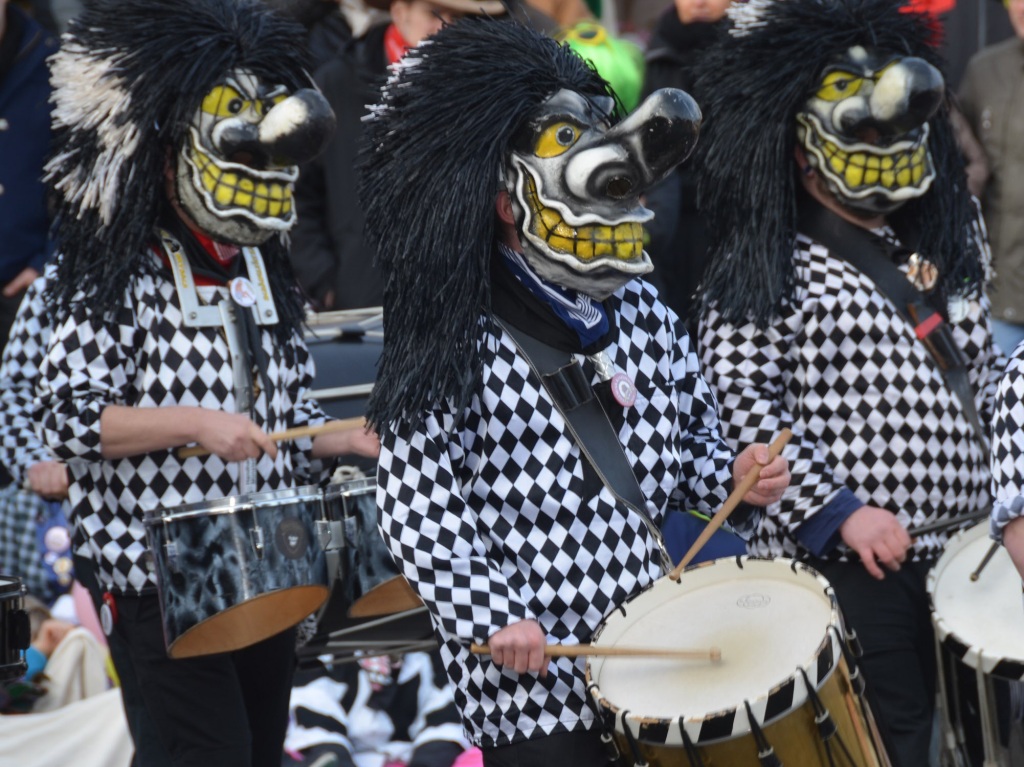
(232, 504)
(707, 729)
(11, 587)
(341, 489)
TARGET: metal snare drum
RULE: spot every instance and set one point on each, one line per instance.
(372, 608)
(235, 571)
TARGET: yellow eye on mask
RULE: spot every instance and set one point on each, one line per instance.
(556, 139)
(839, 85)
(224, 101)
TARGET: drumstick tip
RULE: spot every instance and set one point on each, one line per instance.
(716, 654)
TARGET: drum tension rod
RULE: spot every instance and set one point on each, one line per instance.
(765, 752)
(634, 747)
(849, 655)
(607, 738)
(826, 726)
(691, 750)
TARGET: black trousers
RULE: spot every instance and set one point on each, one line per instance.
(565, 749)
(893, 621)
(229, 710)
(149, 751)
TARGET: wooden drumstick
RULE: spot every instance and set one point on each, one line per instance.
(575, 651)
(985, 560)
(297, 433)
(731, 503)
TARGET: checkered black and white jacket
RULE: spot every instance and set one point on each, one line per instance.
(490, 519)
(20, 445)
(868, 406)
(1007, 448)
(146, 357)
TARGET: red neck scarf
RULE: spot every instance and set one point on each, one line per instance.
(395, 45)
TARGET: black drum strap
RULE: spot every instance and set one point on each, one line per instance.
(585, 417)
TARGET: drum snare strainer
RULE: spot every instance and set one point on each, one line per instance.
(778, 627)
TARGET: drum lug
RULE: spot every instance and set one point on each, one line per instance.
(171, 552)
(328, 532)
(853, 642)
(256, 535)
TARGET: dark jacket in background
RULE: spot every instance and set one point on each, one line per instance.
(24, 142)
(677, 239)
(329, 252)
(992, 99)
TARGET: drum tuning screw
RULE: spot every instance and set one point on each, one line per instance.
(171, 550)
(256, 534)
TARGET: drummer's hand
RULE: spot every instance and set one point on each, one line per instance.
(48, 479)
(876, 534)
(233, 436)
(772, 481)
(363, 441)
(359, 440)
(1013, 541)
(520, 647)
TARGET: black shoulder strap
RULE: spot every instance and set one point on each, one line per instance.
(856, 246)
(565, 381)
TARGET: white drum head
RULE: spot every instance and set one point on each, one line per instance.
(984, 616)
(768, 617)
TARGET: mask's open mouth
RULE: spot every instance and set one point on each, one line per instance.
(231, 189)
(622, 242)
(901, 170)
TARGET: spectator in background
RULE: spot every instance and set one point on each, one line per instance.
(565, 13)
(677, 238)
(24, 141)
(24, 248)
(332, 260)
(619, 61)
(382, 710)
(992, 100)
(331, 24)
(36, 477)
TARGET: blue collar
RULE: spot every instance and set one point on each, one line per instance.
(578, 311)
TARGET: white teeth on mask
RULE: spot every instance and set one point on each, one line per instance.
(900, 171)
(623, 242)
(264, 196)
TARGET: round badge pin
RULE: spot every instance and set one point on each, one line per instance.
(623, 389)
(108, 613)
(242, 291)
